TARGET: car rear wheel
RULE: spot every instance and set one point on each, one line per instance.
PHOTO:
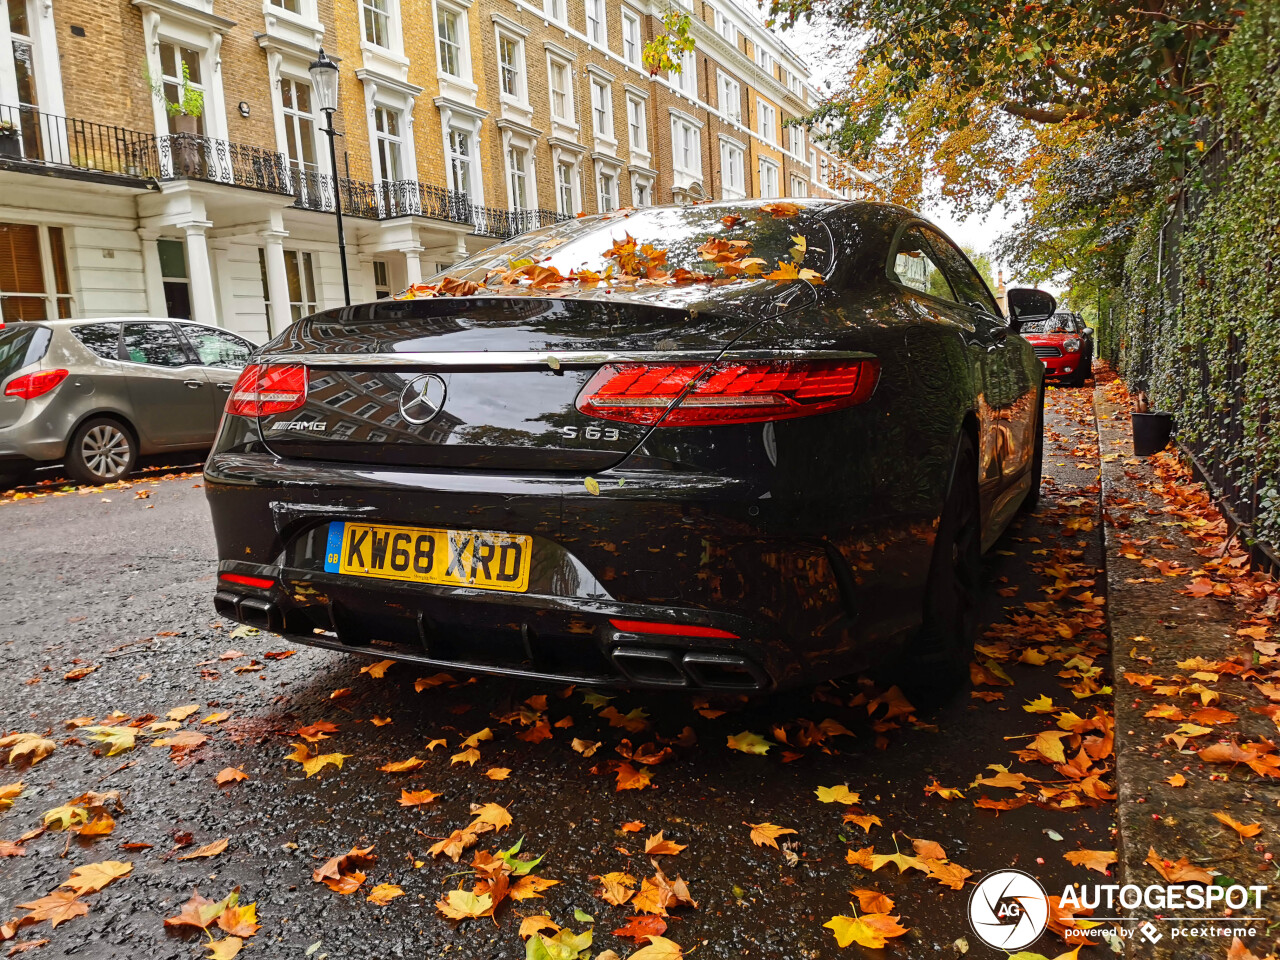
(944, 645)
(101, 450)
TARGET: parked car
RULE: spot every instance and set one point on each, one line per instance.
(1064, 345)
(97, 394)
(658, 480)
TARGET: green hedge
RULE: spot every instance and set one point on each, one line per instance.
(1204, 341)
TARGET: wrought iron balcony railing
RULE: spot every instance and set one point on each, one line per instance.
(32, 136)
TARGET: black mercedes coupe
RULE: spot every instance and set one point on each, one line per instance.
(732, 446)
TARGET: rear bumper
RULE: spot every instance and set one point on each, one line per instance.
(802, 601)
(1063, 366)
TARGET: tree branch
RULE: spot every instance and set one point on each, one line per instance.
(1060, 114)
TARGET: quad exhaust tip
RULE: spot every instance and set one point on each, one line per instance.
(671, 668)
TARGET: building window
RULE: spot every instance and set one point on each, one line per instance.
(768, 178)
(602, 108)
(636, 127)
(730, 97)
(686, 147)
(301, 275)
(299, 130)
(377, 22)
(640, 195)
(555, 10)
(178, 65)
(799, 187)
(795, 138)
(608, 191)
(561, 91)
(460, 160)
(518, 168)
(381, 280)
(293, 6)
(449, 35)
(687, 79)
(34, 281)
(733, 181)
(173, 275)
(595, 22)
(564, 187)
(726, 28)
(766, 121)
(630, 38)
(511, 66)
(24, 68)
(389, 142)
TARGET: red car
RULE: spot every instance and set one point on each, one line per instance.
(1064, 345)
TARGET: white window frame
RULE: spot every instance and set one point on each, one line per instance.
(553, 63)
(471, 161)
(729, 96)
(602, 109)
(608, 175)
(461, 43)
(766, 121)
(519, 68)
(686, 137)
(795, 141)
(686, 81)
(767, 171)
(391, 23)
(520, 177)
(569, 205)
(556, 10)
(726, 27)
(631, 43)
(799, 186)
(637, 124)
(733, 169)
(385, 141)
(597, 24)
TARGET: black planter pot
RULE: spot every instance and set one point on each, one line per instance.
(1151, 432)
(9, 146)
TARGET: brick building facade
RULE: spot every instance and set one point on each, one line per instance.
(460, 122)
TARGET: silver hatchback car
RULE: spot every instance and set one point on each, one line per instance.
(97, 394)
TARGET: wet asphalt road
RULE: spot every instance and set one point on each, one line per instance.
(127, 585)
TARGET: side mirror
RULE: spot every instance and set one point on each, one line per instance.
(1027, 304)
(1088, 331)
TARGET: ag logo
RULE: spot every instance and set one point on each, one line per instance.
(1008, 910)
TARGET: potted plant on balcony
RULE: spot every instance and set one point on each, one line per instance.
(185, 111)
(10, 145)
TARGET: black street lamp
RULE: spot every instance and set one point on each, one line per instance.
(324, 83)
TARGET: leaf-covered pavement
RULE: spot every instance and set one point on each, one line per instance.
(388, 784)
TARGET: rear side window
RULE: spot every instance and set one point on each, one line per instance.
(915, 265)
(215, 348)
(156, 344)
(21, 345)
(102, 338)
(970, 288)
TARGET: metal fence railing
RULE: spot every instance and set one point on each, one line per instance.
(31, 136)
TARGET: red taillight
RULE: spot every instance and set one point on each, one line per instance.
(32, 385)
(265, 389)
(672, 629)
(262, 583)
(727, 392)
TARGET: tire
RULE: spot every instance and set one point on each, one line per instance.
(1078, 378)
(943, 648)
(102, 450)
(1032, 499)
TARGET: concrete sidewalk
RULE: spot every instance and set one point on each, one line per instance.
(1193, 637)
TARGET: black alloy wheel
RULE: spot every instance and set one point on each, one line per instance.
(944, 646)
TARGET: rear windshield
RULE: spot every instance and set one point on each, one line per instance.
(1059, 323)
(21, 345)
(775, 233)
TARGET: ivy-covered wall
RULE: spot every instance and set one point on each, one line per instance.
(1197, 323)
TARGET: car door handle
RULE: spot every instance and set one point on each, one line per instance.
(194, 384)
(225, 386)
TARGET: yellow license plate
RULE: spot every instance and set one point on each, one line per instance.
(455, 558)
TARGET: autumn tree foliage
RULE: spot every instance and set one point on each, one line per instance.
(995, 102)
